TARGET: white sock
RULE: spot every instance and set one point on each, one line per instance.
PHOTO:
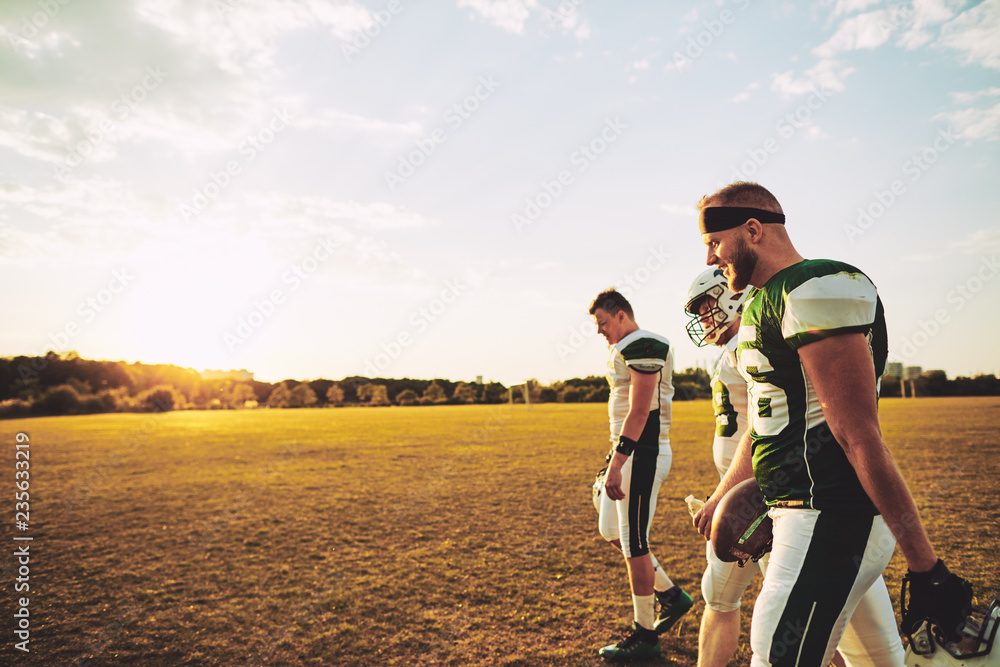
(662, 582)
(643, 606)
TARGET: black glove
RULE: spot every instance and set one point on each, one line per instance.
(939, 597)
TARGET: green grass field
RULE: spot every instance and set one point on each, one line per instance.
(394, 536)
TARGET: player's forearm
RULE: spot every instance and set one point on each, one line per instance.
(740, 469)
(884, 484)
(635, 422)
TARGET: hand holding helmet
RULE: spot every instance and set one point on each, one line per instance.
(939, 597)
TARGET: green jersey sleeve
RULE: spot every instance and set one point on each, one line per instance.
(828, 305)
(646, 355)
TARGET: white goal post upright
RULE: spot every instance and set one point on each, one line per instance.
(525, 391)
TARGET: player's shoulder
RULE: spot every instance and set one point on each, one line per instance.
(827, 277)
(825, 296)
(642, 344)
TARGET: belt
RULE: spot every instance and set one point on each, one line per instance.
(792, 504)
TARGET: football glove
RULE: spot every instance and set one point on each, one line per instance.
(939, 597)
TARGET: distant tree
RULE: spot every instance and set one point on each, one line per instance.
(692, 384)
(302, 397)
(434, 394)
(466, 393)
(161, 398)
(494, 392)
(374, 394)
(599, 395)
(407, 397)
(14, 408)
(280, 397)
(239, 395)
(60, 400)
(571, 395)
(335, 395)
(932, 383)
(545, 395)
(320, 387)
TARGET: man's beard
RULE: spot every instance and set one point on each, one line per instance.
(743, 263)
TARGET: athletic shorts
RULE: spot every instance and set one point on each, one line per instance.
(821, 566)
(629, 519)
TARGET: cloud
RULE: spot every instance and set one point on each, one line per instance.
(970, 98)
(922, 15)
(828, 74)
(978, 242)
(976, 123)
(843, 7)
(216, 63)
(512, 15)
(41, 136)
(313, 212)
(864, 31)
(973, 34)
(509, 15)
(334, 120)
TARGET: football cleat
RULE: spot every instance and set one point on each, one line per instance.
(640, 643)
(674, 603)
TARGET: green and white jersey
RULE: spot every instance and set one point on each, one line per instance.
(644, 352)
(796, 459)
(729, 398)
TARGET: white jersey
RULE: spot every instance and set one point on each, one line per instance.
(643, 352)
(729, 398)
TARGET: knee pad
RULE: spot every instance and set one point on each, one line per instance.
(714, 593)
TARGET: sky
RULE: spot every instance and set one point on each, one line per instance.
(310, 189)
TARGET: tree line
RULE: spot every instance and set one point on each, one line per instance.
(67, 384)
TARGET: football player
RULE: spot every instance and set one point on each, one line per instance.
(871, 636)
(715, 312)
(640, 372)
(811, 345)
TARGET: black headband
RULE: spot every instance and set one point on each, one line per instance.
(721, 218)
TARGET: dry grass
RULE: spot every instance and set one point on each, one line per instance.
(442, 536)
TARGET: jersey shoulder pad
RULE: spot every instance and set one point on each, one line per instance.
(646, 354)
(826, 299)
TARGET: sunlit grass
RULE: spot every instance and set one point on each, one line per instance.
(397, 536)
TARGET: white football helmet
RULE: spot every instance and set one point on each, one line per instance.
(598, 489)
(977, 648)
(705, 329)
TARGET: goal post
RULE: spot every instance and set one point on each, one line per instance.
(525, 392)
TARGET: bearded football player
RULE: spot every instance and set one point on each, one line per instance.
(811, 345)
